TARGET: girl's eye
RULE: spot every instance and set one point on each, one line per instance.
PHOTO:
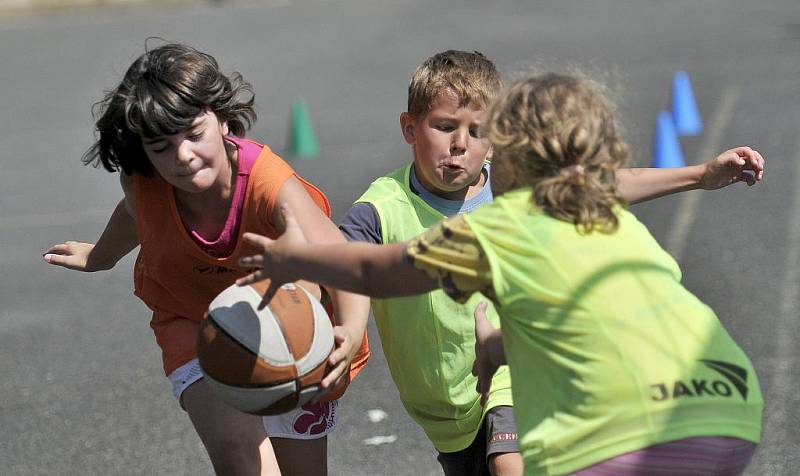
(195, 137)
(160, 149)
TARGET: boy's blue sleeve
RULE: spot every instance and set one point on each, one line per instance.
(361, 223)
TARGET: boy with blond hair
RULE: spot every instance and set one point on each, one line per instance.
(429, 339)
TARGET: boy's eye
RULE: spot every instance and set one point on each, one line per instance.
(476, 133)
(445, 127)
(195, 137)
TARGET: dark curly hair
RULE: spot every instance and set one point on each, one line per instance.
(162, 93)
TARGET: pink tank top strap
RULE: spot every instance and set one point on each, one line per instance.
(248, 153)
(225, 243)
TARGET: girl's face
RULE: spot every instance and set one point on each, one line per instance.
(193, 160)
(448, 153)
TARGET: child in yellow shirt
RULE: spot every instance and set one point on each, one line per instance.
(527, 240)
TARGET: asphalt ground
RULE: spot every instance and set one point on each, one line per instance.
(81, 389)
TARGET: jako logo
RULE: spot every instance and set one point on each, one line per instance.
(734, 375)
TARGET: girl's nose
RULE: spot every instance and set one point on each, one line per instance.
(185, 153)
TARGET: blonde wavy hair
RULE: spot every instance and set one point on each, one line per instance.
(556, 133)
(470, 76)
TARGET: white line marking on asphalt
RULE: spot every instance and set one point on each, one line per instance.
(376, 415)
(379, 440)
(687, 208)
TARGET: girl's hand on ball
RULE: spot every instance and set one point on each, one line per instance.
(341, 357)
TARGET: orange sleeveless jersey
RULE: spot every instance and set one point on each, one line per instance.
(177, 279)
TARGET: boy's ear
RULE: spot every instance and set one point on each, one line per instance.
(407, 127)
(225, 128)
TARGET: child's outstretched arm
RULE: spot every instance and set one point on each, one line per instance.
(363, 268)
(740, 164)
(118, 239)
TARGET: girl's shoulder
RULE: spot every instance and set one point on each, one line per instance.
(259, 161)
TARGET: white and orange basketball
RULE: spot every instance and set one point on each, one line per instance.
(270, 361)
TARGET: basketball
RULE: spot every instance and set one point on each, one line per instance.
(270, 361)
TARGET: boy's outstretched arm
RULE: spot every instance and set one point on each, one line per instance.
(118, 239)
(740, 164)
(367, 269)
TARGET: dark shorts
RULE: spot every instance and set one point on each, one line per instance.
(497, 434)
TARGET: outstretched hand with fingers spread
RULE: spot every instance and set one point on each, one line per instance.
(489, 354)
(741, 164)
(73, 255)
(273, 263)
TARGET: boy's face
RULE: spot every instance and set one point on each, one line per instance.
(448, 154)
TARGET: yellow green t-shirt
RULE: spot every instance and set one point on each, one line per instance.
(608, 352)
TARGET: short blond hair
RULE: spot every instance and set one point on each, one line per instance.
(470, 76)
(557, 134)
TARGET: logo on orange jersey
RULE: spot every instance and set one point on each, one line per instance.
(212, 269)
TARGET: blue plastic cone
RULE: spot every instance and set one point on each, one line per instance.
(666, 147)
(302, 140)
(684, 108)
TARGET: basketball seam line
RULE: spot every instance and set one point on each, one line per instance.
(297, 383)
(254, 354)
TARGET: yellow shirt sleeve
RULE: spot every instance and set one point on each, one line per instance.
(450, 252)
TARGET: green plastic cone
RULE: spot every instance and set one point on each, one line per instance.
(302, 141)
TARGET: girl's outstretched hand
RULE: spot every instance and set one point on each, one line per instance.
(741, 164)
(274, 262)
(73, 255)
(489, 355)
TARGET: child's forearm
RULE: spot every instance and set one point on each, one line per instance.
(370, 270)
(642, 184)
(118, 239)
(352, 312)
